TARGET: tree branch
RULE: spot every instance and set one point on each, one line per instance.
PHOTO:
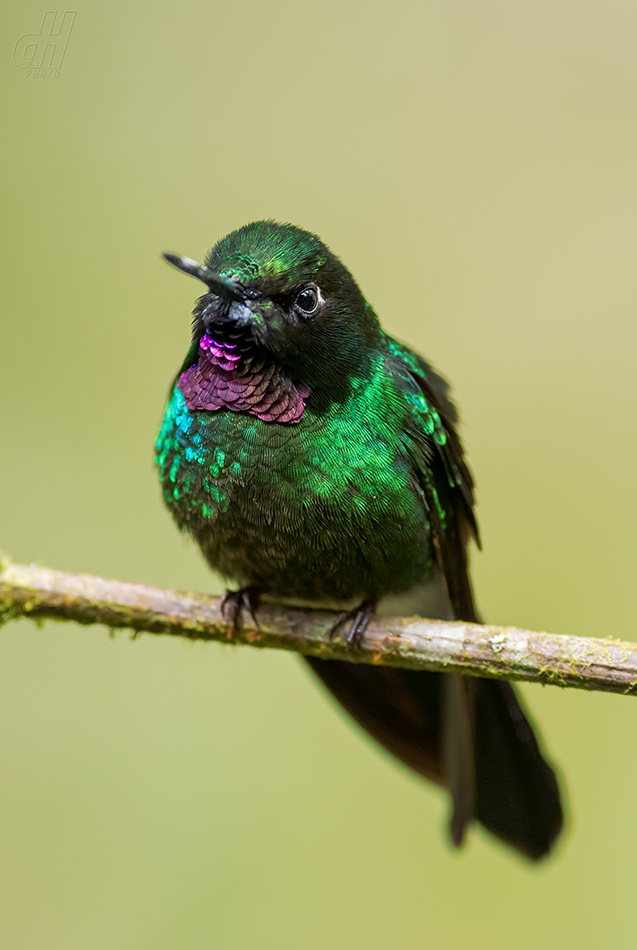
(411, 643)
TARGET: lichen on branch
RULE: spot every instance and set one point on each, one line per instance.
(411, 643)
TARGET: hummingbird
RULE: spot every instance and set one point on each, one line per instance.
(315, 459)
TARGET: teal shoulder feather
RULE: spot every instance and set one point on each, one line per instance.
(441, 469)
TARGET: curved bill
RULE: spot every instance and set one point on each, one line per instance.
(222, 286)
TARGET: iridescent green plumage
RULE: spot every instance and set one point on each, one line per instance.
(263, 499)
(325, 467)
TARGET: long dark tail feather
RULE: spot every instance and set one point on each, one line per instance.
(516, 792)
(518, 797)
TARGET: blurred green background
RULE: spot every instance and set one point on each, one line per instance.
(474, 165)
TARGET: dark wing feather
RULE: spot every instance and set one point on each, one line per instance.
(441, 471)
(516, 791)
(468, 734)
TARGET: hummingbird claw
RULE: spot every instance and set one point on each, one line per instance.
(233, 604)
(360, 617)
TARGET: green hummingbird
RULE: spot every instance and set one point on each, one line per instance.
(314, 458)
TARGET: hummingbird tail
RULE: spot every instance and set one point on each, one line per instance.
(516, 795)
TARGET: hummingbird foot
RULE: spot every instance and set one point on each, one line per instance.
(235, 602)
(359, 617)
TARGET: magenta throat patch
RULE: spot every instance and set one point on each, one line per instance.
(226, 377)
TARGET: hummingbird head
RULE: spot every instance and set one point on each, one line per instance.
(279, 289)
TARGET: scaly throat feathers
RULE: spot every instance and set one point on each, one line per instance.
(234, 377)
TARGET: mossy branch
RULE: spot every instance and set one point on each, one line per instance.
(412, 643)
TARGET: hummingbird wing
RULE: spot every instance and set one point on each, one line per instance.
(493, 764)
(445, 480)
(441, 472)
(470, 735)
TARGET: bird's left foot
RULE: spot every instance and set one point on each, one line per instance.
(360, 617)
(234, 602)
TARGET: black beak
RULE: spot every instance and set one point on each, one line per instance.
(221, 286)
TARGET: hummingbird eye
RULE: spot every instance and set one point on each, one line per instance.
(308, 300)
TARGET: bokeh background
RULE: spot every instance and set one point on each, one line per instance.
(475, 166)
